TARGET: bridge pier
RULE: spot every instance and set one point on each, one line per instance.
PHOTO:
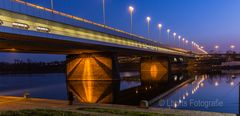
(154, 68)
(93, 66)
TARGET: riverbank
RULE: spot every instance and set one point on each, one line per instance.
(19, 103)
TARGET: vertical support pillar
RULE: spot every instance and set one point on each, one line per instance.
(154, 68)
(93, 66)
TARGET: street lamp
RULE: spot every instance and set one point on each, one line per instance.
(160, 30)
(179, 41)
(186, 44)
(168, 32)
(148, 21)
(104, 14)
(192, 46)
(174, 36)
(131, 9)
(183, 39)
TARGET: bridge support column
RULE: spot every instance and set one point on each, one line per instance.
(92, 66)
(155, 68)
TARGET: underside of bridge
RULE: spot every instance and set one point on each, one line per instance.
(105, 66)
(89, 61)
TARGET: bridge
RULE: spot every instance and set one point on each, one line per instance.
(92, 49)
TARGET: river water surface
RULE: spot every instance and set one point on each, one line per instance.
(205, 92)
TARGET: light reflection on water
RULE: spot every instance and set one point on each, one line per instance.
(223, 88)
(215, 93)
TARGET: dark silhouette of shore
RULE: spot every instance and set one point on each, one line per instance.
(28, 67)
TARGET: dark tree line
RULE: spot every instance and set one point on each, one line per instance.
(19, 67)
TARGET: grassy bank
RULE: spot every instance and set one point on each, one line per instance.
(41, 112)
(122, 112)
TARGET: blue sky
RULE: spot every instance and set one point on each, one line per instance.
(208, 22)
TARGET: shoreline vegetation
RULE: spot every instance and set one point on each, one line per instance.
(28, 67)
(80, 112)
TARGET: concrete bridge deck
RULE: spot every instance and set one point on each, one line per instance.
(38, 29)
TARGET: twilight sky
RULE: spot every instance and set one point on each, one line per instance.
(208, 22)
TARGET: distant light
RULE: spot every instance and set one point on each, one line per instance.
(202, 47)
(232, 46)
(13, 49)
(184, 97)
(216, 83)
(186, 41)
(180, 101)
(168, 30)
(232, 83)
(187, 94)
(175, 105)
(174, 34)
(183, 39)
(216, 47)
(159, 26)
(179, 37)
(175, 77)
(202, 84)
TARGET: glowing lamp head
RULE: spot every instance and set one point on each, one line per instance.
(174, 34)
(216, 47)
(148, 19)
(186, 41)
(179, 37)
(159, 26)
(183, 39)
(168, 30)
(131, 9)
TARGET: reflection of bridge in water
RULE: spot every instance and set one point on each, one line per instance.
(111, 91)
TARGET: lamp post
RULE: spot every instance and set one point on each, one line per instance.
(168, 34)
(160, 30)
(104, 13)
(183, 41)
(192, 46)
(52, 4)
(148, 22)
(131, 9)
(186, 44)
(179, 41)
(174, 36)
